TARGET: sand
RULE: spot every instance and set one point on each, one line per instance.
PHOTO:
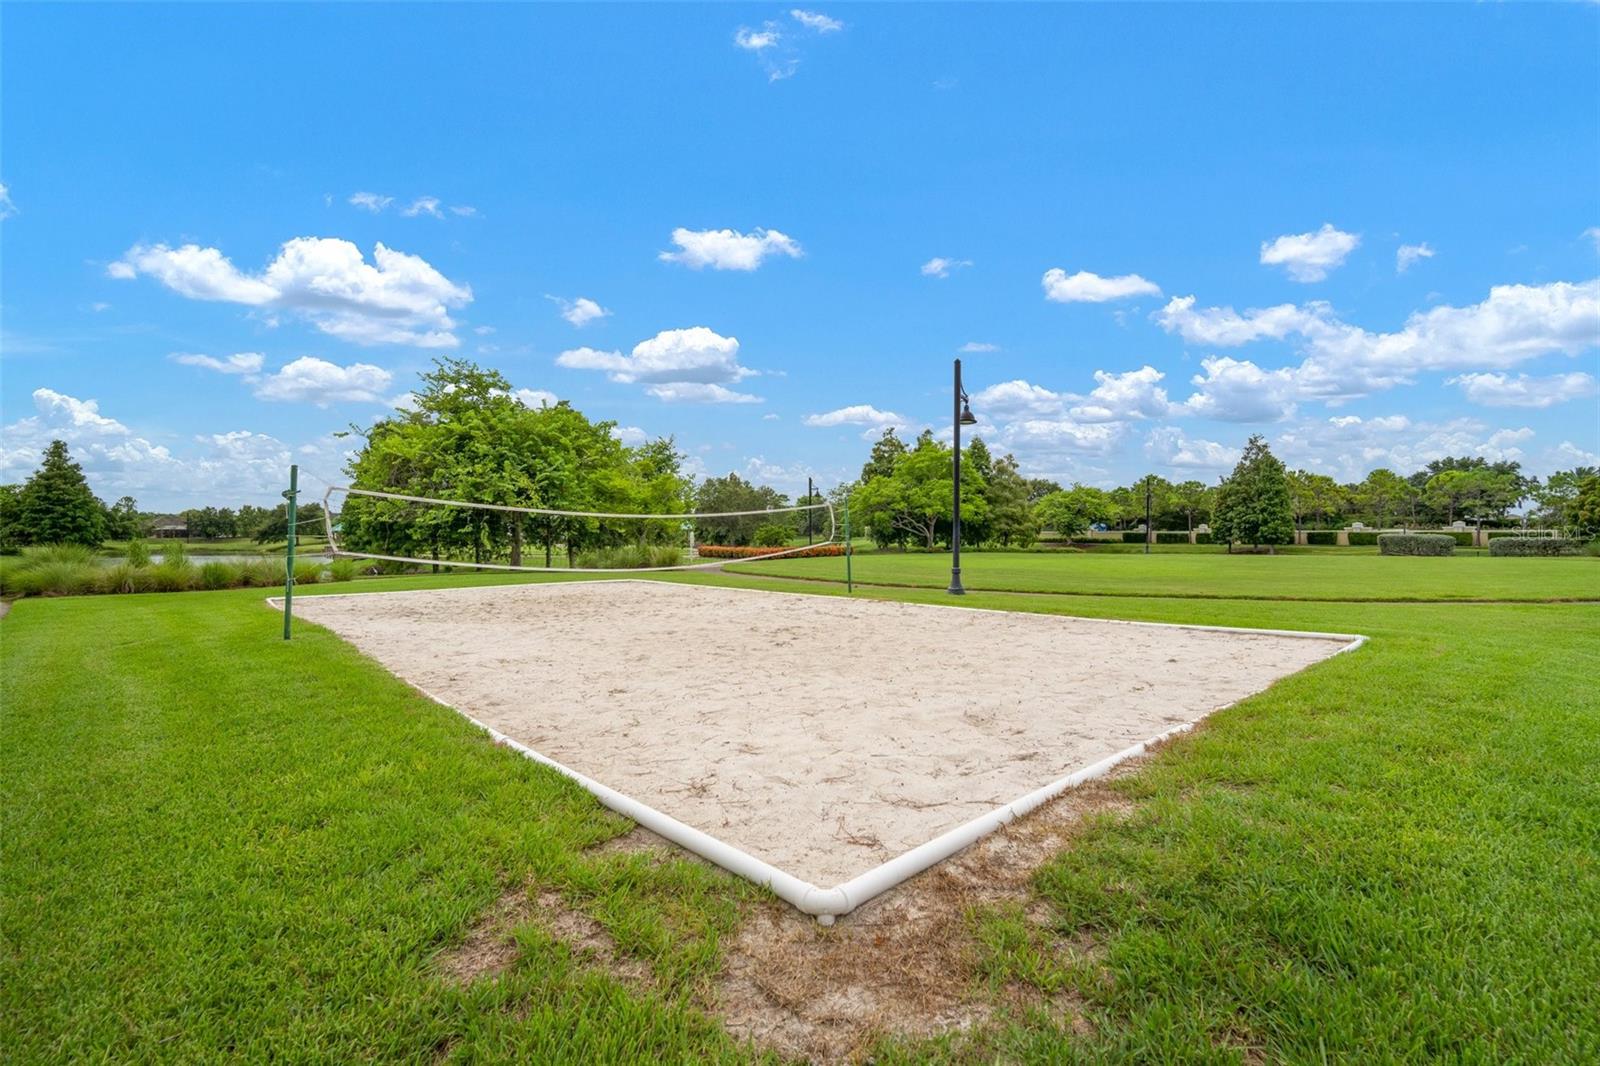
(821, 734)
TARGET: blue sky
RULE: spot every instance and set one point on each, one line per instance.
(1370, 233)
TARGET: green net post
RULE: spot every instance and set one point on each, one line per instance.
(288, 556)
(849, 580)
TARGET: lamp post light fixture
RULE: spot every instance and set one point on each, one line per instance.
(963, 417)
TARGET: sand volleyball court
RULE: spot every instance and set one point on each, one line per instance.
(821, 736)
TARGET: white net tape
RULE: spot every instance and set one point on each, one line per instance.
(687, 516)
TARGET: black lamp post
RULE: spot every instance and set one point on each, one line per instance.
(963, 417)
(811, 493)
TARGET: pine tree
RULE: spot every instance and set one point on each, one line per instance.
(55, 506)
(1253, 506)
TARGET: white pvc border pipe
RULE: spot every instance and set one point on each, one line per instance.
(828, 903)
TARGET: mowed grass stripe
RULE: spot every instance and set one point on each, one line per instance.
(1214, 575)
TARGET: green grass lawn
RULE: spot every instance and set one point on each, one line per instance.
(1319, 576)
(218, 845)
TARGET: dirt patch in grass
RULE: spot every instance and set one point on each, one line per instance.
(907, 963)
(491, 944)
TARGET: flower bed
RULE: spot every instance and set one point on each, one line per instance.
(729, 551)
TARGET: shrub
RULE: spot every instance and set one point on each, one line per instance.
(138, 553)
(1496, 534)
(770, 536)
(1203, 538)
(728, 551)
(1536, 546)
(1171, 537)
(219, 576)
(1462, 537)
(628, 557)
(1133, 536)
(1361, 538)
(1416, 544)
(343, 570)
(1322, 536)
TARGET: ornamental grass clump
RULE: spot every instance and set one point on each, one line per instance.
(343, 570)
(307, 573)
(219, 576)
(1416, 544)
(629, 557)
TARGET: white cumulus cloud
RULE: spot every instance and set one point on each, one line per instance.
(1169, 445)
(7, 208)
(578, 312)
(726, 249)
(370, 201)
(1086, 287)
(859, 414)
(395, 299)
(1503, 390)
(423, 205)
(317, 381)
(698, 392)
(239, 363)
(940, 267)
(1135, 394)
(1311, 256)
(756, 40)
(978, 347)
(813, 20)
(1407, 255)
(1341, 361)
(537, 397)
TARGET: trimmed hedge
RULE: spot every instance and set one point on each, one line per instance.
(1164, 536)
(1416, 544)
(1536, 546)
(1462, 537)
(1496, 534)
(1132, 536)
(1361, 538)
(1204, 538)
(1322, 536)
(729, 551)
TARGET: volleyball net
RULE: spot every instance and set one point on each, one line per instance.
(403, 529)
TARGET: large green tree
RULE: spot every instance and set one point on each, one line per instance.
(1073, 511)
(467, 437)
(734, 493)
(1585, 511)
(1010, 521)
(1253, 505)
(55, 505)
(916, 499)
(1192, 499)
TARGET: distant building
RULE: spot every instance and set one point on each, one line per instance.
(170, 527)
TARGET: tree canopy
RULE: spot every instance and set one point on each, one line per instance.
(1253, 506)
